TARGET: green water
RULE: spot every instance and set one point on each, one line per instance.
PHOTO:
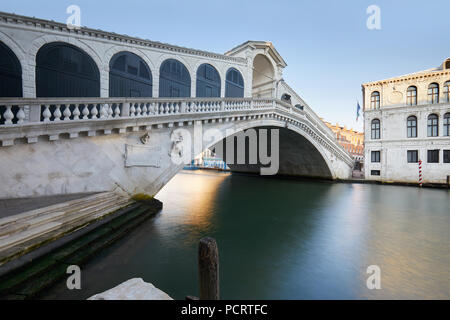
(284, 239)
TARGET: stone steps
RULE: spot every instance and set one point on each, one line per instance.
(22, 217)
(40, 226)
(39, 273)
(43, 215)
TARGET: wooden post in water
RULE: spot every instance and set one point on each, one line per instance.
(208, 269)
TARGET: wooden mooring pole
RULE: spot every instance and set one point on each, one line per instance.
(208, 269)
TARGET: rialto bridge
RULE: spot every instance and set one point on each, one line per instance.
(86, 110)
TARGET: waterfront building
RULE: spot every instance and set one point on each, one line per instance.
(351, 140)
(407, 120)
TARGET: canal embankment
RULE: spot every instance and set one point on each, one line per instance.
(25, 275)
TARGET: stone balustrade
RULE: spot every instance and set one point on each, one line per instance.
(25, 120)
(15, 112)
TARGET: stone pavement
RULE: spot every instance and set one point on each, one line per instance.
(9, 207)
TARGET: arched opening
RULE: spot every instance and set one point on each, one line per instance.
(208, 82)
(63, 70)
(411, 126)
(263, 85)
(411, 96)
(10, 73)
(174, 80)
(447, 64)
(433, 93)
(433, 125)
(234, 84)
(297, 155)
(129, 76)
(286, 98)
(375, 100)
(10, 78)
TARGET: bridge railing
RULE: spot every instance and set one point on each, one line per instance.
(21, 111)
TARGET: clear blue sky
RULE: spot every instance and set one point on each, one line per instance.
(328, 49)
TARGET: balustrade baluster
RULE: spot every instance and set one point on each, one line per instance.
(117, 111)
(94, 111)
(20, 115)
(67, 113)
(144, 110)
(85, 112)
(76, 112)
(138, 110)
(46, 114)
(57, 113)
(110, 110)
(8, 115)
(132, 110)
(103, 111)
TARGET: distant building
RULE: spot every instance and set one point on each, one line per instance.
(351, 140)
(407, 119)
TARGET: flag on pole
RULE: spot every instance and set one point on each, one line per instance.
(358, 108)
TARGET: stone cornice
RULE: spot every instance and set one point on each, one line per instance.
(8, 18)
(410, 77)
(407, 108)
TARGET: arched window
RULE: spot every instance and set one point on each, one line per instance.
(63, 70)
(447, 124)
(208, 82)
(447, 91)
(412, 127)
(174, 80)
(375, 129)
(234, 87)
(375, 100)
(411, 96)
(129, 76)
(433, 125)
(433, 93)
(10, 78)
(10, 73)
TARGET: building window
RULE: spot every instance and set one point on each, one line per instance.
(447, 91)
(413, 156)
(433, 156)
(375, 156)
(433, 123)
(411, 124)
(433, 93)
(411, 96)
(375, 172)
(447, 124)
(446, 156)
(375, 100)
(375, 129)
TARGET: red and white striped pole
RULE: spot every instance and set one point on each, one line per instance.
(420, 173)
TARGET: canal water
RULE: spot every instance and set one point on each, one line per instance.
(284, 239)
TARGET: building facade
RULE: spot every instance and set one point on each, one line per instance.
(351, 140)
(407, 122)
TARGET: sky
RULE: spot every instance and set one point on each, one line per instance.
(329, 50)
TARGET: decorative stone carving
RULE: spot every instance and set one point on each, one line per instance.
(145, 138)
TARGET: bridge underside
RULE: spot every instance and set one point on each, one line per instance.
(297, 156)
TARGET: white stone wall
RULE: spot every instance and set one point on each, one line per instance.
(393, 114)
(394, 144)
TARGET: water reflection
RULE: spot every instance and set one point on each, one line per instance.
(285, 239)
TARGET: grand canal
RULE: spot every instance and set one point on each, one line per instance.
(284, 239)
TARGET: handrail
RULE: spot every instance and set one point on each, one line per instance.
(16, 112)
